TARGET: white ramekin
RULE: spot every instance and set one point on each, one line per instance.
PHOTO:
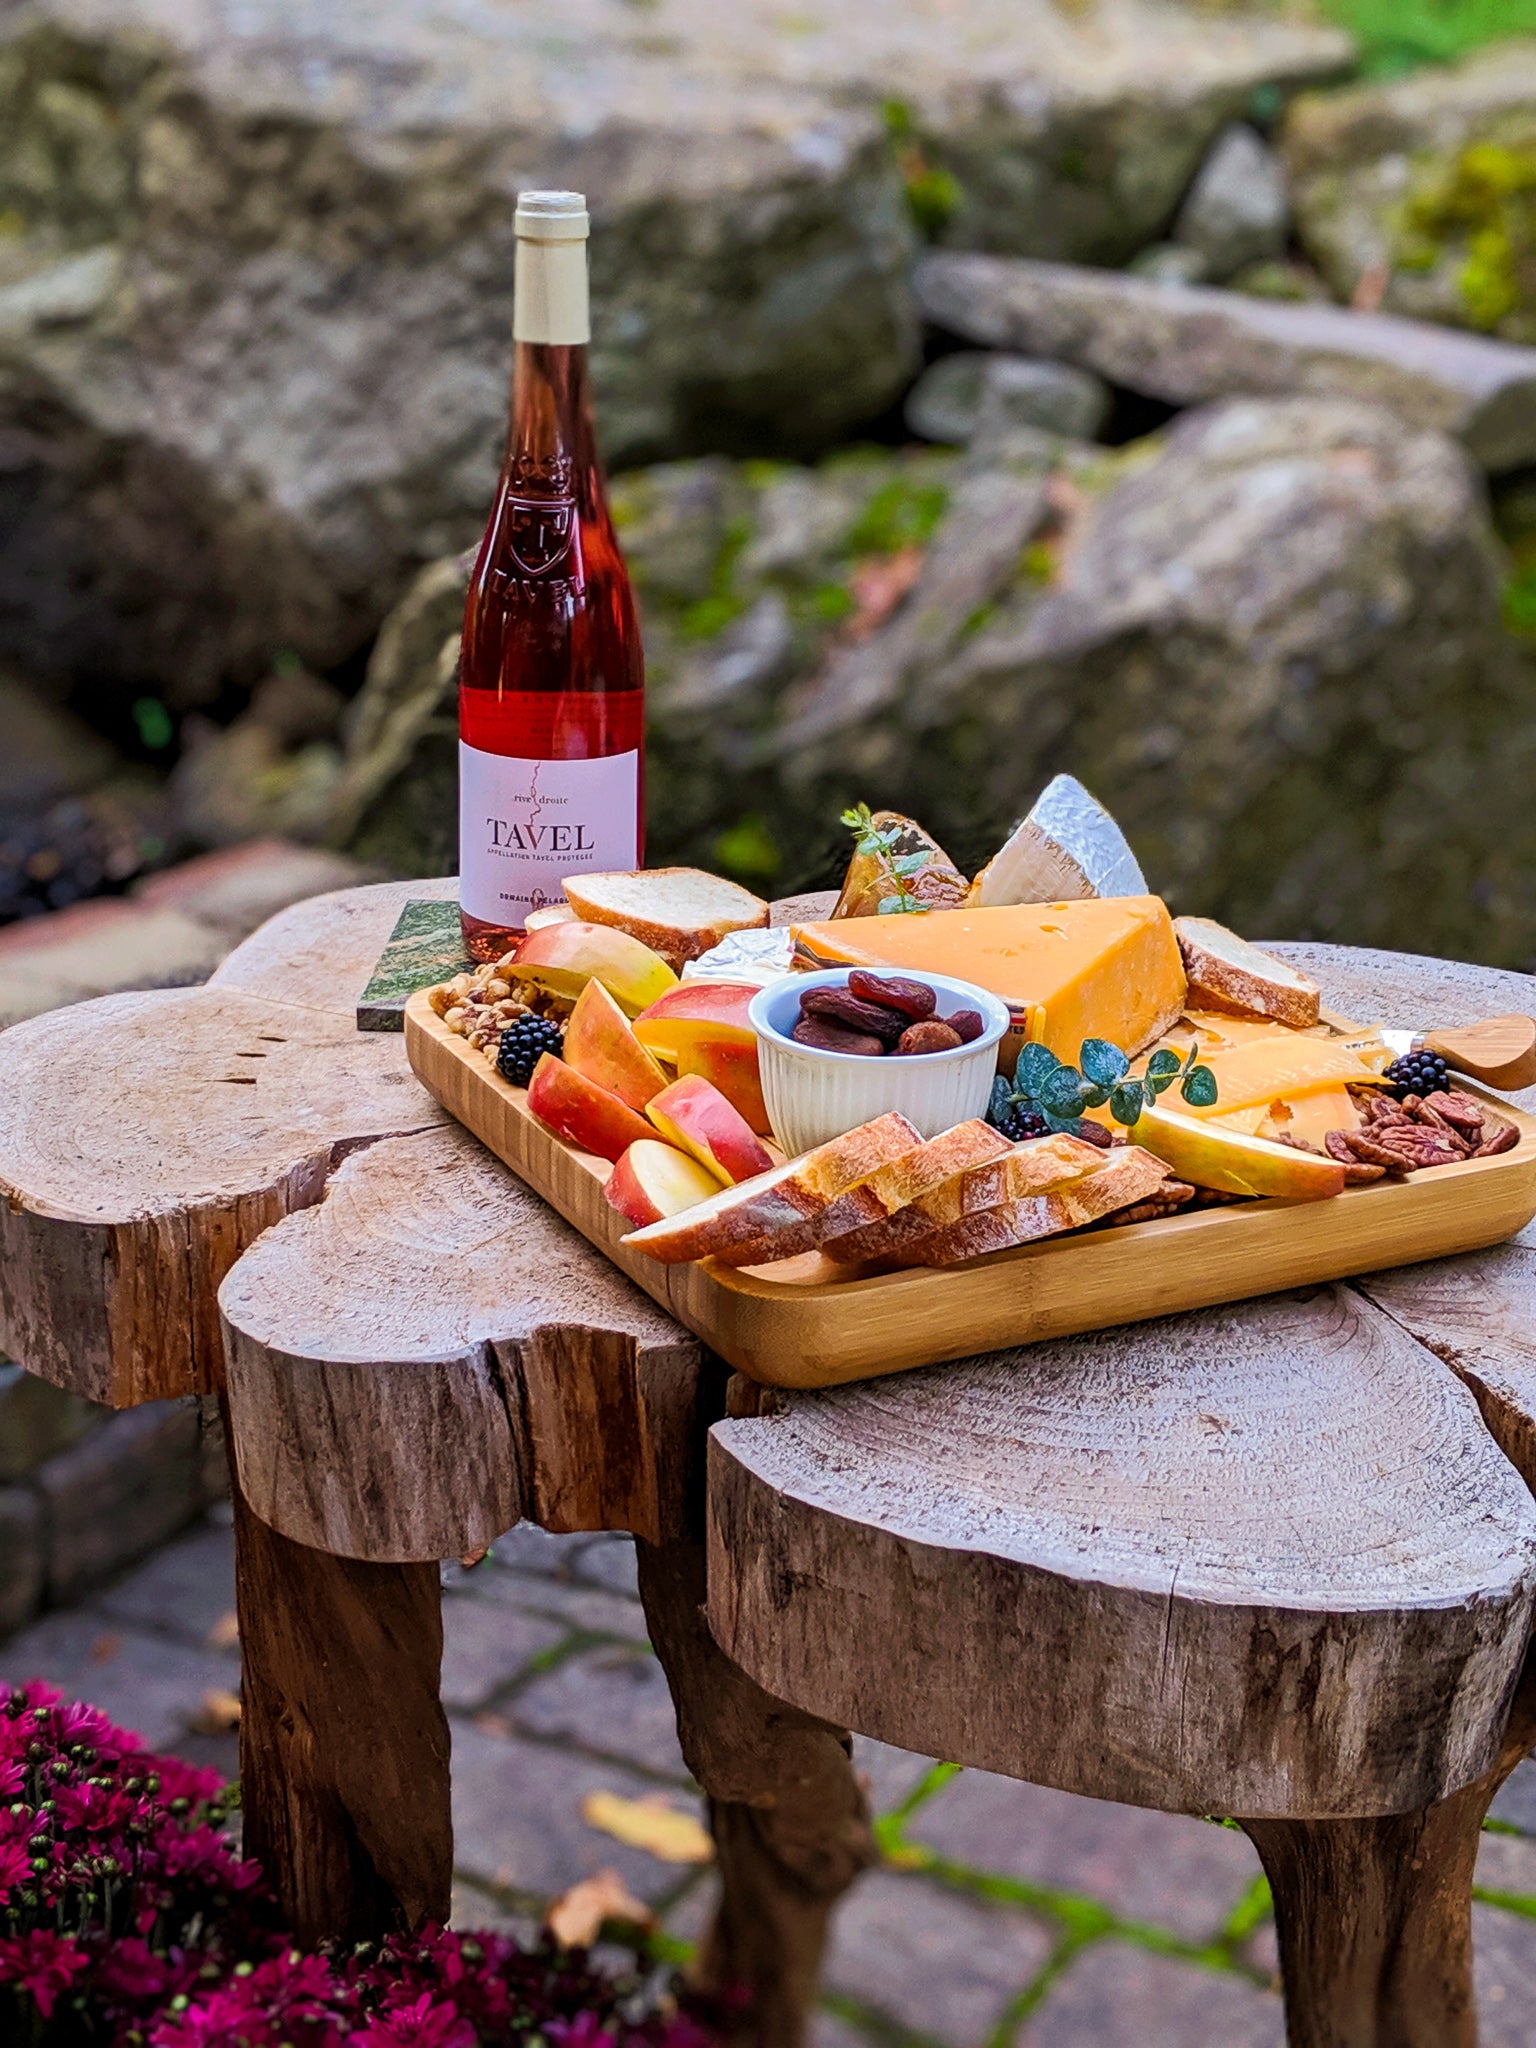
(813, 1095)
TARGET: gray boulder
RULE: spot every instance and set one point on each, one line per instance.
(1423, 190)
(1270, 638)
(255, 286)
(1188, 345)
(978, 391)
(1238, 209)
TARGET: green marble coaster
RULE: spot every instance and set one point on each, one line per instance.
(425, 947)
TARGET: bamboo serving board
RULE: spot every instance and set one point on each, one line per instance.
(802, 1323)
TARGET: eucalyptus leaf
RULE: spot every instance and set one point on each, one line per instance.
(1199, 1087)
(1062, 1092)
(1069, 1124)
(1101, 1062)
(1001, 1101)
(1125, 1104)
(1096, 1096)
(1163, 1065)
(1036, 1062)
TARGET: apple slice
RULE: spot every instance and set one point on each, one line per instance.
(653, 1181)
(1211, 1157)
(578, 1110)
(600, 1043)
(694, 1012)
(563, 958)
(733, 1069)
(694, 1114)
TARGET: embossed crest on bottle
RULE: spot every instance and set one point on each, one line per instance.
(551, 676)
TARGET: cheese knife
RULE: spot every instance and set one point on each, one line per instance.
(1500, 1051)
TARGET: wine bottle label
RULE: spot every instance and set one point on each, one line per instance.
(525, 825)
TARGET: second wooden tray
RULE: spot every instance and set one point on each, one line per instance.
(802, 1324)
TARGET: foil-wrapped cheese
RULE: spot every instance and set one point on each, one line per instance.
(1068, 848)
(753, 958)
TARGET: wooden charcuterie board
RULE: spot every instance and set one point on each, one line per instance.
(802, 1323)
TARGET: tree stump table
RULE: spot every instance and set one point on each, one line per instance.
(1276, 1561)
(420, 1353)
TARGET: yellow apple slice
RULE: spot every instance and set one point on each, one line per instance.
(654, 1180)
(1210, 1156)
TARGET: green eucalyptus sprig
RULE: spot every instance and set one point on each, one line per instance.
(1062, 1093)
(878, 843)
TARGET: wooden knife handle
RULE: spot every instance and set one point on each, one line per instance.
(1500, 1051)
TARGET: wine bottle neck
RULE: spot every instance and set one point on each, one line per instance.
(549, 303)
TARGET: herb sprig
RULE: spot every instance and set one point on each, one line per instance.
(1062, 1093)
(878, 843)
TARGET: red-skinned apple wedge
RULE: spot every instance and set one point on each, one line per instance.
(600, 1043)
(714, 1011)
(733, 1069)
(578, 1110)
(563, 958)
(694, 1114)
(654, 1180)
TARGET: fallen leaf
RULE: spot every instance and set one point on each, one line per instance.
(105, 1648)
(877, 585)
(225, 1633)
(663, 1831)
(576, 1918)
(219, 1713)
(473, 1557)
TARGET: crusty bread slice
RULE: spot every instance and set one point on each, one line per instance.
(775, 1200)
(1127, 1176)
(872, 1199)
(1227, 973)
(678, 912)
(552, 913)
(994, 1177)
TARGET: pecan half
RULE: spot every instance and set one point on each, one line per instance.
(1504, 1139)
(1427, 1117)
(1352, 1147)
(1418, 1145)
(1358, 1173)
(1297, 1144)
(1460, 1112)
(1170, 1197)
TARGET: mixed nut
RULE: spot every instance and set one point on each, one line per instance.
(873, 1014)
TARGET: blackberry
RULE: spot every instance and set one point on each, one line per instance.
(1417, 1073)
(523, 1045)
(1021, 1121)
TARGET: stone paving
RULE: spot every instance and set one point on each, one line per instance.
(1004, 1914)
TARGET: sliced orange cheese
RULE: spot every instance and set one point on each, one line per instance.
(1308, 1118)
(1286, 1069)
(1108, 967)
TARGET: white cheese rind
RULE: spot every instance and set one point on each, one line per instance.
(1069, 847)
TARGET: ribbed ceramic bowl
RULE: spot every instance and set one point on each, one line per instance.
(813, 1095)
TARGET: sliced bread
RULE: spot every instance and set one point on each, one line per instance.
(1127, 1176)
(678, 912)
(1010, 1175)
(871, 1200)
(1227, 973)
(776, 1200)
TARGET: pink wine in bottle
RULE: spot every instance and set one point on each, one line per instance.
(551, 676)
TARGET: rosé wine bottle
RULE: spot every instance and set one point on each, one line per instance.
(551, 675)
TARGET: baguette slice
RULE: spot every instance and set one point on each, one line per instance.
(778, 1199)
(1127, 1176)
(868, 1202)
(677, 912)
(1012, 1174)
(1227, 973)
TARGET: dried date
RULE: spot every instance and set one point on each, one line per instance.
(826, 1035)
(931, 1035)
(847, 1009)
(915, 1000)
(969, 1024)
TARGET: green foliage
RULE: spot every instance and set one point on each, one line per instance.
(155, 727)
(747, 851)
(933, 193)
(1520, 601)
(832, 603)
(1398, 35)
(1061, 1093)
(710, 615)
(898, 514)
(878, 843)
(1485, 203)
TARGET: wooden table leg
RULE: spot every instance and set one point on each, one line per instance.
(1374, 1917)
(790, 1821)
(343, 1740)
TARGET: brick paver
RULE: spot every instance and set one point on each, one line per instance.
(1006, 1916)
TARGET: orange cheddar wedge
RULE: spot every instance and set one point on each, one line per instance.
(1107, 967)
